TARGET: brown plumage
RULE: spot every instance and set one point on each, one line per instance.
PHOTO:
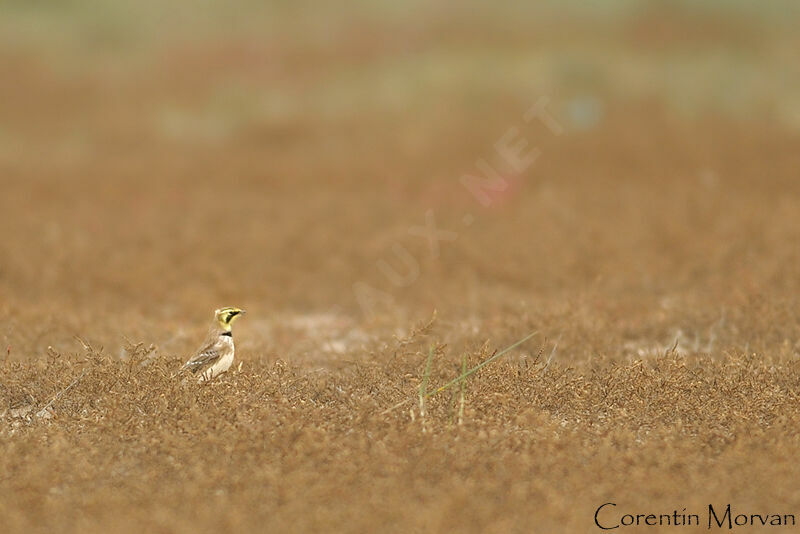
(216, 354)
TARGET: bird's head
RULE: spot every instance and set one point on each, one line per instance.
(226, 316)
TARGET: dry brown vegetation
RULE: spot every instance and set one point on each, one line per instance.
(150, 176)
(278, 448)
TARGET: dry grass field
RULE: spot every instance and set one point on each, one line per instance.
(375, 185)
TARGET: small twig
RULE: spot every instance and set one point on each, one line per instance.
(396, 406)
(674, 347)
(61, 393)
(552, 353)
(420, 329)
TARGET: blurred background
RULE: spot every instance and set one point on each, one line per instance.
(159, 161)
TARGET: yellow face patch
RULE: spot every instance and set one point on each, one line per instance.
(226, 316)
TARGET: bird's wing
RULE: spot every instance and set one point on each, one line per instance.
(204, 358)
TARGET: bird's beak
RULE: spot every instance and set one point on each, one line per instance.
(242, 312)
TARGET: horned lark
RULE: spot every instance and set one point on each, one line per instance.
(216, 354)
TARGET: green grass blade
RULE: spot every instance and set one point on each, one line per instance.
(480, 365)
(463, 387)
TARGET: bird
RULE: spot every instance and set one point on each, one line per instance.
(215, 356)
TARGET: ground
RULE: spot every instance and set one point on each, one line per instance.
(375, 185)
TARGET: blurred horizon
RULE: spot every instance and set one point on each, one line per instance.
(228, 66)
